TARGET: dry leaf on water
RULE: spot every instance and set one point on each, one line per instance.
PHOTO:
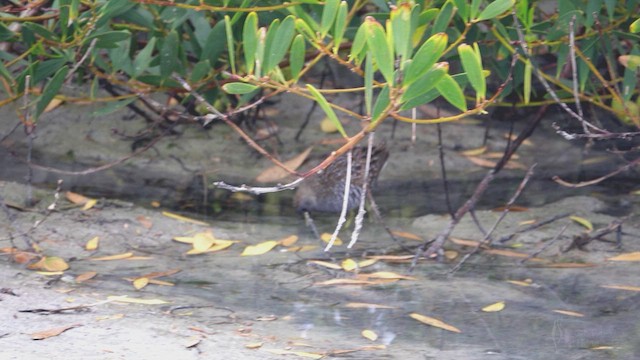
(92, 244)
(407, 235)
(259, 249)
(349, 264)
(41, 335)
(50, 263)
(184, 218)
(344, 282)
(622, 287)
(568, 313)
(289, 240)
(495, 307)
(276, 173)
(369, 334)
(326, 237)
(126, 299)
(325, 264)
(387, 275)
(582, 221)
(632, 256)
(298, 353)
(140, 283)
(113, 257)
(76, 198)
(434, 322)
(86, 276)
(357, 305)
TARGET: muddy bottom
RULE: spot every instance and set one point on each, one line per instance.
(289, 303)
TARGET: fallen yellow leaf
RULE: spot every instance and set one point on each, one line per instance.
(622, 287)
(326, 237)
(349, 264)
(184, 218)
(113, 257)
(434, 322)
(126, 299)
(259, 249)
(582, 221)
(289, 240)
(568, 313)
(50, 263)
(140, 283)
(41, 335)
(76, 198)
(92, 244)
(632, 256)
(89, 204)
(387, 275)
(297, 353)
(474, 152)
(86, 276)
(344, 282)
(357, 305)
(369, 334)
(368, 262)
(526, 282)
(495, 307)
(407, 235)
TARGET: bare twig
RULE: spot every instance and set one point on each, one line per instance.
(546, 246)
(361, 211)
(487, 238)
(345, 203)
(598, 180)
(508, 237)
(258, 190)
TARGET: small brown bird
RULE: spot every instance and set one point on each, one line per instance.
(325, 190)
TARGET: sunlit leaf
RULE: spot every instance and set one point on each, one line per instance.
(369, 335)
(401, 19)
(472, 65)
(278, 46)
(340, 26)
(296, 56)
(377, 42)
(426, 82)
(230, 43)
(582, 221)
(494, 9)
(259, 249)
(53, 104)
(329, 11)
(92, 244)
(434, 322)
(387, 275)
(365, 263)
(50, 263)
(51, 89)
(203, 241)
(495, 307)
(218, 245)
(89, 204)
(254, 345)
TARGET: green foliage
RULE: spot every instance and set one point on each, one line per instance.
(407, 52)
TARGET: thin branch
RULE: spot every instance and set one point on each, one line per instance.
(598, 180)
(345, 203)
(546, 246)
(574, 71)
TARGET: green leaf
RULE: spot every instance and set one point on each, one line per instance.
(279, 47)
(635, 26)
(214, 45)
(340, 26)
(232, 55)
(169, 54)
(451, 91)
(297, 56)
(472, 65)
(250, 41)
(381, 103)
(426, 57)
(368, 82)
(377, 42)
(329, 11)
(42, 31)
(51, 89)
(527, 81)
(5, 73)
(269, 40)
(358, 46)
(324, 104)
(401, 30)
(429, 96)
(463, 9)
(200, 70)
(442, 20)
(113, 106)
(108, 39)
(143, 59)
(239, 88)
(494, 9)
(262, 35)
(426, 82)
